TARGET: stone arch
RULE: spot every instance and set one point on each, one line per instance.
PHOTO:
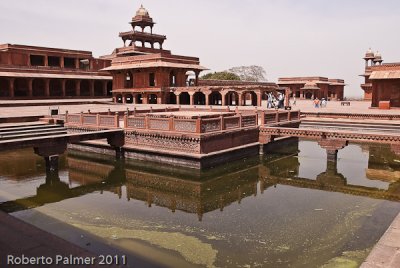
(109, 88)
(55, 88)
(199, 98)
(249, 98)
(171, 98)
(184, 98)
(138, 98)
(118, 98)
(232, 98)
(152, 99)
(128, 98)
(4, 87)
(98, 88)
(308, 95)
(215, 98)
(70, 88)
(85, 88)
(38, 87)
(21, 87)
(157, 45)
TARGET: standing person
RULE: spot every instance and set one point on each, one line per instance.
(316, 103)
(294, 100)
(323, 102)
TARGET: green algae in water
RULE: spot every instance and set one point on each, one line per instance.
(349, 259)
(191, 248)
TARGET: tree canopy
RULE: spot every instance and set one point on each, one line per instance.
(249, 73)
(221, 76)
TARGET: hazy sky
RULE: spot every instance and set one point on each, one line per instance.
(286, 37)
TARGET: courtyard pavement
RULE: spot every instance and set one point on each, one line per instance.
(42, 107)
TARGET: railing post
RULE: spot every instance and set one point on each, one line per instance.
(262, 118)
(116, 119)
(277, 117)
(81, 118)
(289, 116)
(256, 122)
(146, 122)
(198, 124)
(126, 120)
(221, 118)
(97, 120)
(298, 115)
(171, 123)
(66, 117)
(240, 120)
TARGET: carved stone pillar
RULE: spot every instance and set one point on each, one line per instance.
(104, 83)
(207, 99)
(240, 95)
(11, 93)
(332, 147)
(63, 82)
(191, 97)
(91, 87)
(223, 99)
(259, 99)
(30, 82)
(78, 88)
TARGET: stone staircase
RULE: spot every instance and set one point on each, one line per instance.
(367, 126)
(17, 131)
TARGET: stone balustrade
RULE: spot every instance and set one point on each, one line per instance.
(177, 123)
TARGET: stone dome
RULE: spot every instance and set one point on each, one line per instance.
(369, 54)
(378, 56)
(142, 12)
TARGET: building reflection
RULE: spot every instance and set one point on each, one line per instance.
(198, 192)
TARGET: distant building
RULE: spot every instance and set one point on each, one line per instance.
(382, 81)
(314, 87)
(31, 72)
(144, 72)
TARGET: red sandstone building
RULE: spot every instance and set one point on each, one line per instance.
(29, 72)
(314, 87)
(144, 72)
(382, 81)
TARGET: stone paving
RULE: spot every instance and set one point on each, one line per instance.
(18, 238)
(21, 108)
(386, 253)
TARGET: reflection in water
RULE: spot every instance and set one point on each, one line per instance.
(249, 213)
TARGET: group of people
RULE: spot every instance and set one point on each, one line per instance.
(276, 102)
(320, 103)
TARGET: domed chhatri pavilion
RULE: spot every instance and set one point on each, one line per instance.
(144, 72)
(382, 81)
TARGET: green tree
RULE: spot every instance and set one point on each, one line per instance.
(220, 76)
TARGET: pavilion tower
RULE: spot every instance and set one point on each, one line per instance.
(371, 59)
(369, 56)
(378, 59)
(144, 72)
(139, 39)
